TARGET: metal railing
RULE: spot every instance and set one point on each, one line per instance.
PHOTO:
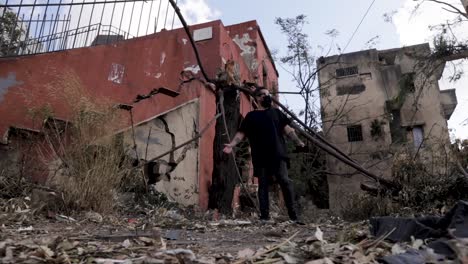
(54, 25)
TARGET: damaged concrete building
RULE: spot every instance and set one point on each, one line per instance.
(378, 104)
(465, 5)
(120, 71)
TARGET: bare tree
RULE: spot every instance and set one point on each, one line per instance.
(301, 63)
(449, 46)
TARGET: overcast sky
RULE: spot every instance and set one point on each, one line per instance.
(344, 16)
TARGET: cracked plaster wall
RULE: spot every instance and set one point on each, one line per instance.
(167, 131)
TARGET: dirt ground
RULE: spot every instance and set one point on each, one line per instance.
(164, 235)
(154, 236)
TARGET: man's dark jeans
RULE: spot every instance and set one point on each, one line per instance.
(265, 180)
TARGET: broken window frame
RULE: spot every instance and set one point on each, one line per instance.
(355, 133)
(346, 72)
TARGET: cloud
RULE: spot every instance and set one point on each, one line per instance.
(413, 25)
(198, 11)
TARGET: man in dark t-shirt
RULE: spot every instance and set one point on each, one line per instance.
(264, 129)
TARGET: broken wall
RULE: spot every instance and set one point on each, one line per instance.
(177, 174)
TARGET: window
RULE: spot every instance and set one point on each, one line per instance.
(354, 133)
(342, 72)
(356, 89)
(418, 136)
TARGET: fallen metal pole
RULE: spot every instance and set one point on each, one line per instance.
(326, 146)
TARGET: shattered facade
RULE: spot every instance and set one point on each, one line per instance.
(376, 103)
(116, 73)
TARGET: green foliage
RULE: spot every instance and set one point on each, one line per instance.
(444, 46)
(407, 86)
(376, 128)
(243, 158)
(10, 32)
(301, 62)
(364, 206)
(460, 149)
(422, 188)
(307, 171)
(298, 45)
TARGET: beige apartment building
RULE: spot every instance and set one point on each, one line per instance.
(378, 104)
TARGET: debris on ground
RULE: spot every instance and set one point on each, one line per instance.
(177, 235)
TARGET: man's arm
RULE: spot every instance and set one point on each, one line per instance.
(237, 138)
(291, 133)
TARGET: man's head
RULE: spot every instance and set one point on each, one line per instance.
(262, 95)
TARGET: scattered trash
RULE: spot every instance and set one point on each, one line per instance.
(65, 218)
(126, 243)
(174, 215)
(22, 229)
(173, 234)
(158, 235)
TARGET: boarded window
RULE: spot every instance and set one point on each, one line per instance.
(356, 89)
(354, 133)
(342, 72)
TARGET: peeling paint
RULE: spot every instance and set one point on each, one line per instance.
(116, 73)
(250, 28)
(248, 51)
(254, 65)
(242, 43)
(163, 58)
(158, 75)
(223, 60)
(7, 83)
(184, 40)
(194, 68)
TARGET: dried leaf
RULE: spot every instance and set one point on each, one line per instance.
(417, 243)
(319, 234)
(320, 261)
(397, 249)
(93, 217)
(65, 245)
(126, 243)
(245, 253)
(22, 229)
(44, 252)
(288, 258)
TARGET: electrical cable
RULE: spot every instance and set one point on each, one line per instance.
(358, 26)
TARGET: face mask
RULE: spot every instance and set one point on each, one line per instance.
(266, 102)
